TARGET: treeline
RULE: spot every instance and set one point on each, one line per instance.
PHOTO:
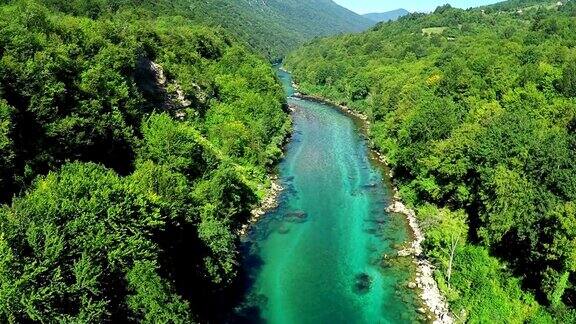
(132, 149)
(476, 111)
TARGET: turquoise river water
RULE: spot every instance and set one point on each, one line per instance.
(320, 257)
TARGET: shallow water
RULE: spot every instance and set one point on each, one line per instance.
(321, 256)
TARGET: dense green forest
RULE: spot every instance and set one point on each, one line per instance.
(271, 27)
(132, 148)
(476, 112)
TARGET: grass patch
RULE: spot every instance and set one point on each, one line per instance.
(433, 30)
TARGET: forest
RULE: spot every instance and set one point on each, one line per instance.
(475, 111)
(132, 148)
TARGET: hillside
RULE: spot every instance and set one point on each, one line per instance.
(276, 26)
(515, 5)
(132, 149)
(272, 27)
(476, 112)
(387, 16)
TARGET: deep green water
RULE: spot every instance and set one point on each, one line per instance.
(319, 258)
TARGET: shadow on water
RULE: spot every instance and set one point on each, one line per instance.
(248, 306)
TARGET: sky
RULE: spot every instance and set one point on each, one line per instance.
(367, 6)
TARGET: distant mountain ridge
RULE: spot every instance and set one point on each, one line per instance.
(387, 16)
(277, 26)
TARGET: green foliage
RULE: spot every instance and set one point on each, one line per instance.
(83, 87)
(174, 145)
(70, 250)
(568, 82)
(134, 146)
(442, 227)
(475, 110)
(87, 245)
(223, 202)
(153, 301)
(488, 294)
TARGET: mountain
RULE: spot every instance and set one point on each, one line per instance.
(274, 27)
(387, 16)
(271, 27)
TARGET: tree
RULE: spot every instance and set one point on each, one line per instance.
(153, 300)
(7, 154)
(175, 145)
(446, 231)
(568, 81)
(453, 244)
(73, 242)
(224, 204)
(442, 9)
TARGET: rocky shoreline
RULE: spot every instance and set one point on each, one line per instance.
(430, 295)
(271, 196)
(269, 202)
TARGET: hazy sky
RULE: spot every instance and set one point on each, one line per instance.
(366, 6)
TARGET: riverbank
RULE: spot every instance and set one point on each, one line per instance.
(430, 293)
(269, 202)
(436, 307)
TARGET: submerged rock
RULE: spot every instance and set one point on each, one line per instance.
(296, 217)
(283, 229)
(362, 283)
(370, 230)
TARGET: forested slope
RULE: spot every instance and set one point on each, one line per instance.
(476, 112)
(272, 27)
(275, 27)
(387, 16)
(132, 149)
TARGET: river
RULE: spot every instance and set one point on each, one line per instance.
(321, 256)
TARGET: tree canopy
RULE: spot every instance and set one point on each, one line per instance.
(132, 148)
